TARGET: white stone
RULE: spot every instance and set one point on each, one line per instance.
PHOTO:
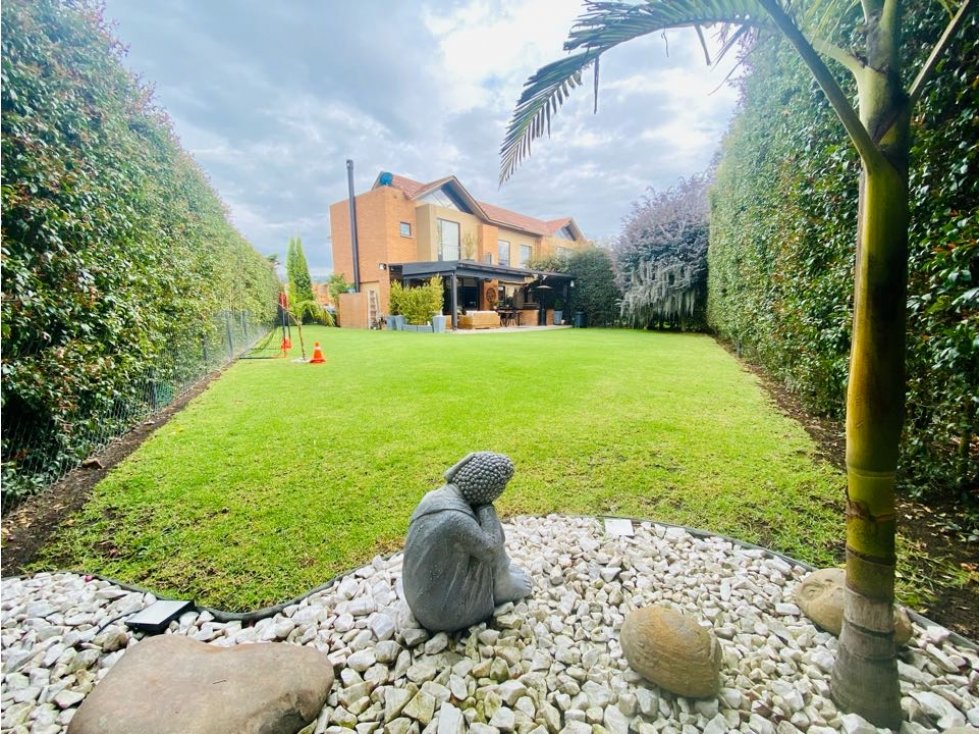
(717, 725)
(437, 644)
(450, 720)
(510, 691)
(856, 724)
(395, 699)
(615, 721)
(504, 719)
(939, 709)
(760, 725)
(382, 625)
(361, 660)
(344, 623)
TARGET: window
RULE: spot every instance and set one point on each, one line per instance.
(565, 233)
(503, 250)
(448, 240)
(488, 258)
(446, 198)
(526, 252)
(406, 229)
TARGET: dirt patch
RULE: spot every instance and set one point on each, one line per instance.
(28, 526)
(932, 526)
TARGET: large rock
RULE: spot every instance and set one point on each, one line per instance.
(174, 685)
(820, 597)
(672, 650)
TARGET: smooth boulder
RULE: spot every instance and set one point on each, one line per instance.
(820, 597)
(672, 650)
(174, 685)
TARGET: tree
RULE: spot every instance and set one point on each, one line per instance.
(336, 285)
(300, 285)
(549, 263)
(865, 674)
(595, 292)
(662, 257)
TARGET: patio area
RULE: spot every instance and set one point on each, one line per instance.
(481, 296)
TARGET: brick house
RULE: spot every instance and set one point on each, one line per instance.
(410, 231)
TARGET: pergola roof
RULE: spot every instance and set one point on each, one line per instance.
(473, 269)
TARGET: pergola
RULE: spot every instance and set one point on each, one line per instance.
(453, 270)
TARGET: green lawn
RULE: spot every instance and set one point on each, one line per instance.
(281, 474)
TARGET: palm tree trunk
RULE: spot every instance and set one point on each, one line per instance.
(865, 676)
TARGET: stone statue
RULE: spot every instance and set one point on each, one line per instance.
(456, 569)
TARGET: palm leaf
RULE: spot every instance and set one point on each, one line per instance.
(603, 26)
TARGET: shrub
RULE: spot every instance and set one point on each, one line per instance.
(595, 292)
(419, 303)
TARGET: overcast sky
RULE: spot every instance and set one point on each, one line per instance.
(271, 98)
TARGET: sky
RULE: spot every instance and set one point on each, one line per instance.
(272, 98)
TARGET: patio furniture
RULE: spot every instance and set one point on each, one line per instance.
(479, 320)
(508, 316)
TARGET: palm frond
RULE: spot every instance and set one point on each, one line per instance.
(603, 26)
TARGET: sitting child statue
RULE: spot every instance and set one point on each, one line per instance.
(456, 569)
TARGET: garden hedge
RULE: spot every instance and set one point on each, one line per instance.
(118, 257)
(783, 228)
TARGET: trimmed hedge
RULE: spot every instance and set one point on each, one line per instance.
(119, 263)
(783, 228)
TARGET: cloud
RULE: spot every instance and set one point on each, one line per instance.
(272, 98)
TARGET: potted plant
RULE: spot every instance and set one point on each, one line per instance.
(558, 311)
(396, 321)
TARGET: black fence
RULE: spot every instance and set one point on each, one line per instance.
(37, 451)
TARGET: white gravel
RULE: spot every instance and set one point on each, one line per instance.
(549, 664)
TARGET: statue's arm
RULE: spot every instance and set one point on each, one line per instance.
(474, 537)
(490, 523)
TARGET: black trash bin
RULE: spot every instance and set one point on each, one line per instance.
(579, 320)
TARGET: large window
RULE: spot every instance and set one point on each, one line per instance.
(448, 240)
(526, 252)
(503, 250)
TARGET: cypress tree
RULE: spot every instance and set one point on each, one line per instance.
(297, 271)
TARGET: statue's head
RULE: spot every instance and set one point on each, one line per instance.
(481, 476)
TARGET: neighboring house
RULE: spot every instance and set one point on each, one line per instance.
(410, 231)
(321, 292)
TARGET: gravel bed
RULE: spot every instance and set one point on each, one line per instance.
(547, 665)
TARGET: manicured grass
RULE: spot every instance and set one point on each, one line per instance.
(281, 475)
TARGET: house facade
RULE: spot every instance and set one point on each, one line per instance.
(409, 230)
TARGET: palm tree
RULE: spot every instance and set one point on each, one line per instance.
(308, 309)
(864, 678)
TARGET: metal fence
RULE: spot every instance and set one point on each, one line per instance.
(36, 454)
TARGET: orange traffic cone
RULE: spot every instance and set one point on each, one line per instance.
(318, 357)
(286, 346)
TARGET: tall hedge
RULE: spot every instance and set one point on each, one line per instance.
(783, 226)
(596, 293)
(117, 253)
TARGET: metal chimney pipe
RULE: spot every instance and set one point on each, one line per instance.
(353, 224)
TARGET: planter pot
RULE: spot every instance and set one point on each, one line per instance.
(438, 324)
(396, 322)
(558, 317)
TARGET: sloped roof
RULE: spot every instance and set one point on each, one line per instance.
(495, 214)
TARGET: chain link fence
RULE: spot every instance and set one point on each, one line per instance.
(37, 451)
